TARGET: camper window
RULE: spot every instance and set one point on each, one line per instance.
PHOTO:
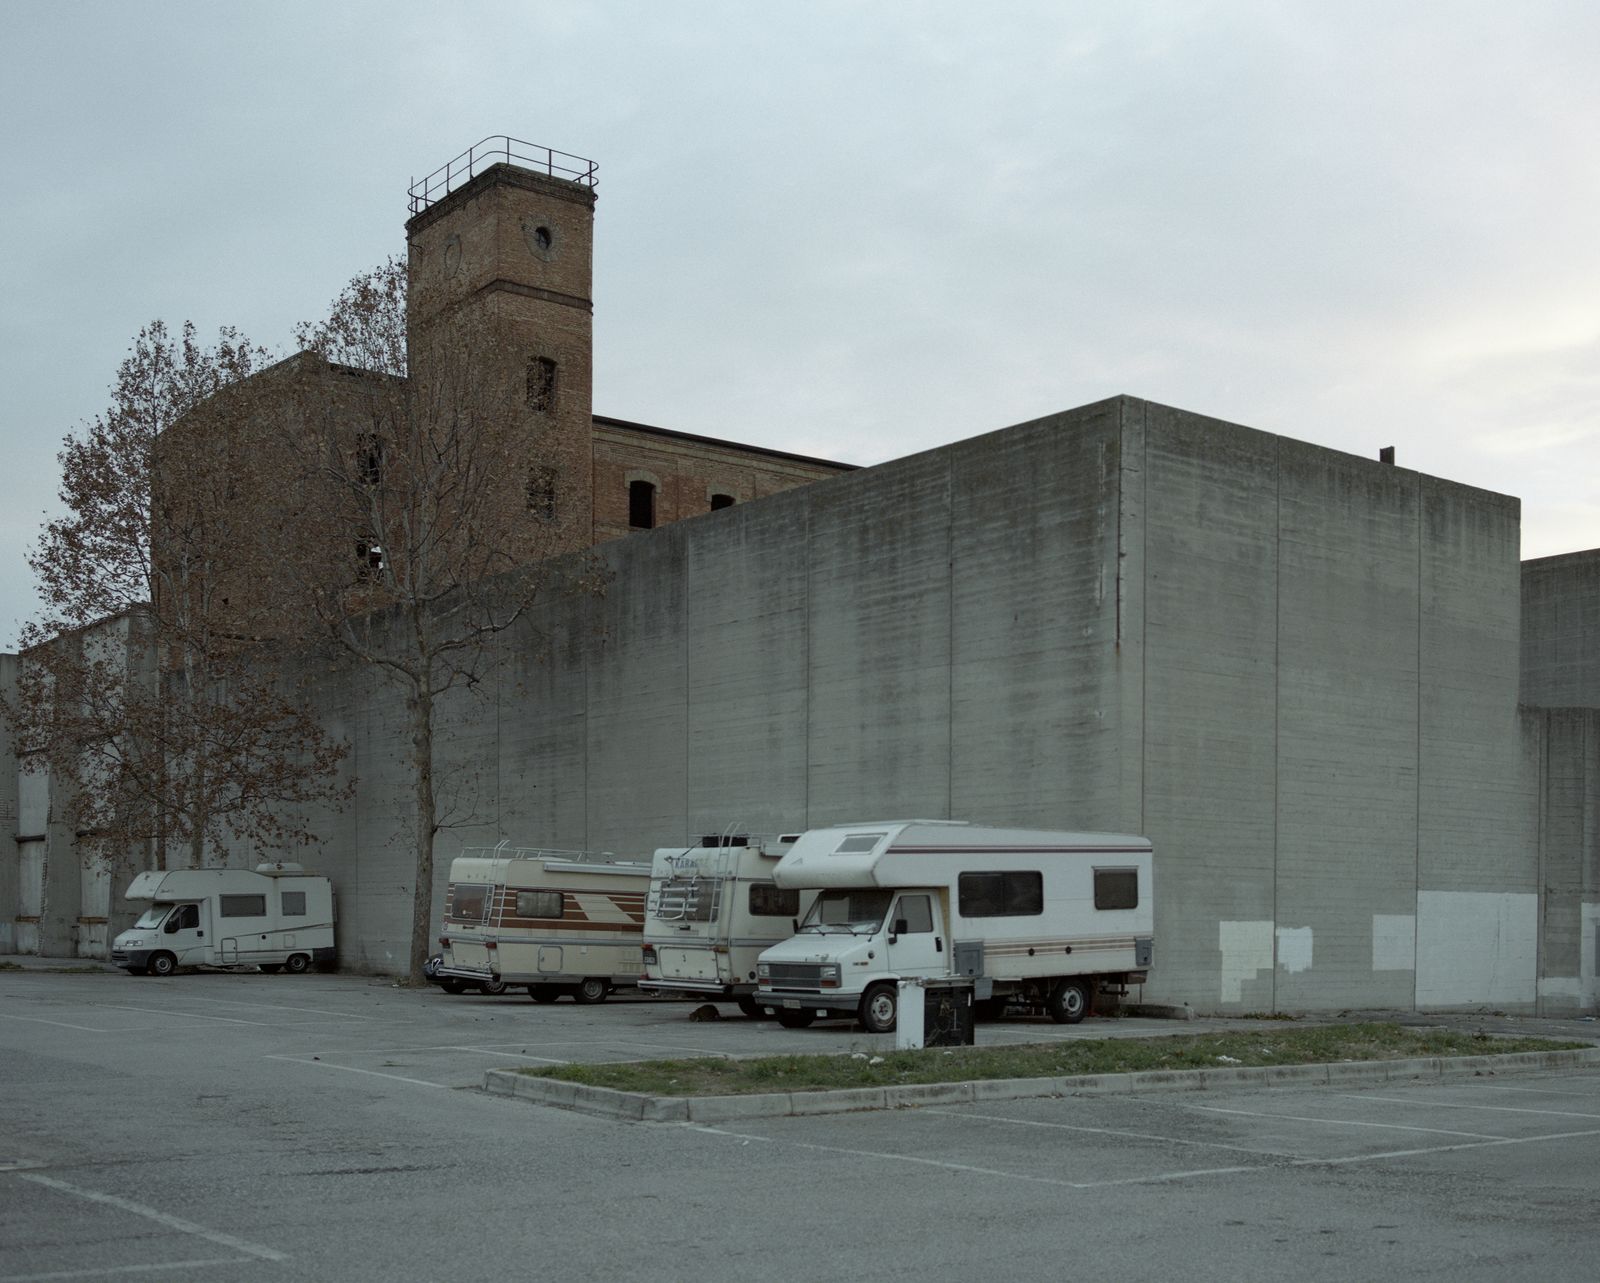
(858, 844)
(469, 901)
(851, 911)
(241, 906)
(768, 901)
(914, 914)
(1001, 895)
(151, 917)
(539, 904)
(1116, 888)
(294, 904)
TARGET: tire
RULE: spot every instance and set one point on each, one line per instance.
(162, 964)
(1069, 1002)
(879, 1008)
(795, 1019)
(295, 963)
(590, 991)
(751, 1007)
(452, 986)
(544, 993)
(494, 988)
(272, 968)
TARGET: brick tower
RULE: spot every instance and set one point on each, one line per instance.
(500, 264)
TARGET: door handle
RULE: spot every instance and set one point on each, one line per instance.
(938, 944)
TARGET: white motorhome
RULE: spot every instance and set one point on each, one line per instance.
(559, 922)
(712, 909)
(277, 917)
(1033, 917)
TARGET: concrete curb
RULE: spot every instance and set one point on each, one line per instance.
(606, 1103)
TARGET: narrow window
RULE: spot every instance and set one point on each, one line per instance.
(542, 492)
(641, 505)
(243, 906)
(369, 459)
(721, 501)
(769, 901)
(1000, 895)
(294, 904)
(1116, 888)
(541, 385)
(539, 904)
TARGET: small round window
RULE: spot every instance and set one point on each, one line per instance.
(540, 238)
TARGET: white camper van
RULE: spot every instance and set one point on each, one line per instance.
(278, 917)
(559, 922)
(1032, 917)
(712, 909)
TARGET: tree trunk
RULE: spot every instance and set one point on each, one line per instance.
(420, 704)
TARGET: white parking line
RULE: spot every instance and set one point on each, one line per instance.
(351, 1069)
(114, 1271)
(1535, 1091)
(969, 1169)
(275, 1006)
(1337, 1122)
(160, 1218)
(1109, 1131)
(59, 1024)
(187, 1015)
(1488, 1109)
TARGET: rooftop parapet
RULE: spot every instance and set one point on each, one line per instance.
(494, 150)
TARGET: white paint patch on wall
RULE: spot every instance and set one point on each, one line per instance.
(1583, 988)
(1246, 952)
(1476, 947)
(1394, 941)
(1294, 949)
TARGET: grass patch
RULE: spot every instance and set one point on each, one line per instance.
(1326, 1044)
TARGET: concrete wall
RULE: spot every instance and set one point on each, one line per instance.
(1561, 631)
(1295, 669)
(1566, 745)
(10, 860)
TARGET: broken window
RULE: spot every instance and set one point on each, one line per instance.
(642, 505)
(541, 385)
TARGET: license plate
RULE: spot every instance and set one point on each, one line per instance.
(793, 1004)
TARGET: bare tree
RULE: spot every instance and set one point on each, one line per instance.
(427, 520)
(166, 733)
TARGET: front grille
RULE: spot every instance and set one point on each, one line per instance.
(795, 975)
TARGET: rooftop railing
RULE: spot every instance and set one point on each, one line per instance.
(495, 150)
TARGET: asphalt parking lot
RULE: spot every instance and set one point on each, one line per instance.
(244, 1127)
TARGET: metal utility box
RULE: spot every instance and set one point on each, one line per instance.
(947, 1012)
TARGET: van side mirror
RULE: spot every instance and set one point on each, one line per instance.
(901, 926)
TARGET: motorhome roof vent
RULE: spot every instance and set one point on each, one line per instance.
(271, 867)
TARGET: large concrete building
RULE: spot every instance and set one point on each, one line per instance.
(1363, 738)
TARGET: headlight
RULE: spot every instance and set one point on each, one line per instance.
(829, 975)
(763, 971)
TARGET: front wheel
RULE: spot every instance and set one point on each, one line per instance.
(162, 964)
(295, 963)
(590, 991)
(271, 968)
(751, 1007)
(544, 993)
(879, 1006)
(795, 1019)
(494, 988)
(1069, 1002)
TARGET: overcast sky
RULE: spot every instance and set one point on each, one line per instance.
(861, 230)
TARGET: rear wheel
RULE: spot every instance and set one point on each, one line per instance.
(494, 988)
(544, 993)
(295, 963)
(162, 964)
(879, 1006)
(1069, 1002)
(272, 968)
(795, 1019)
(590, 991)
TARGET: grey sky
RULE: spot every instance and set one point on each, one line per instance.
(862, 230)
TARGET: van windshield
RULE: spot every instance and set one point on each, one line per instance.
(849, 912)
(152, 916)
